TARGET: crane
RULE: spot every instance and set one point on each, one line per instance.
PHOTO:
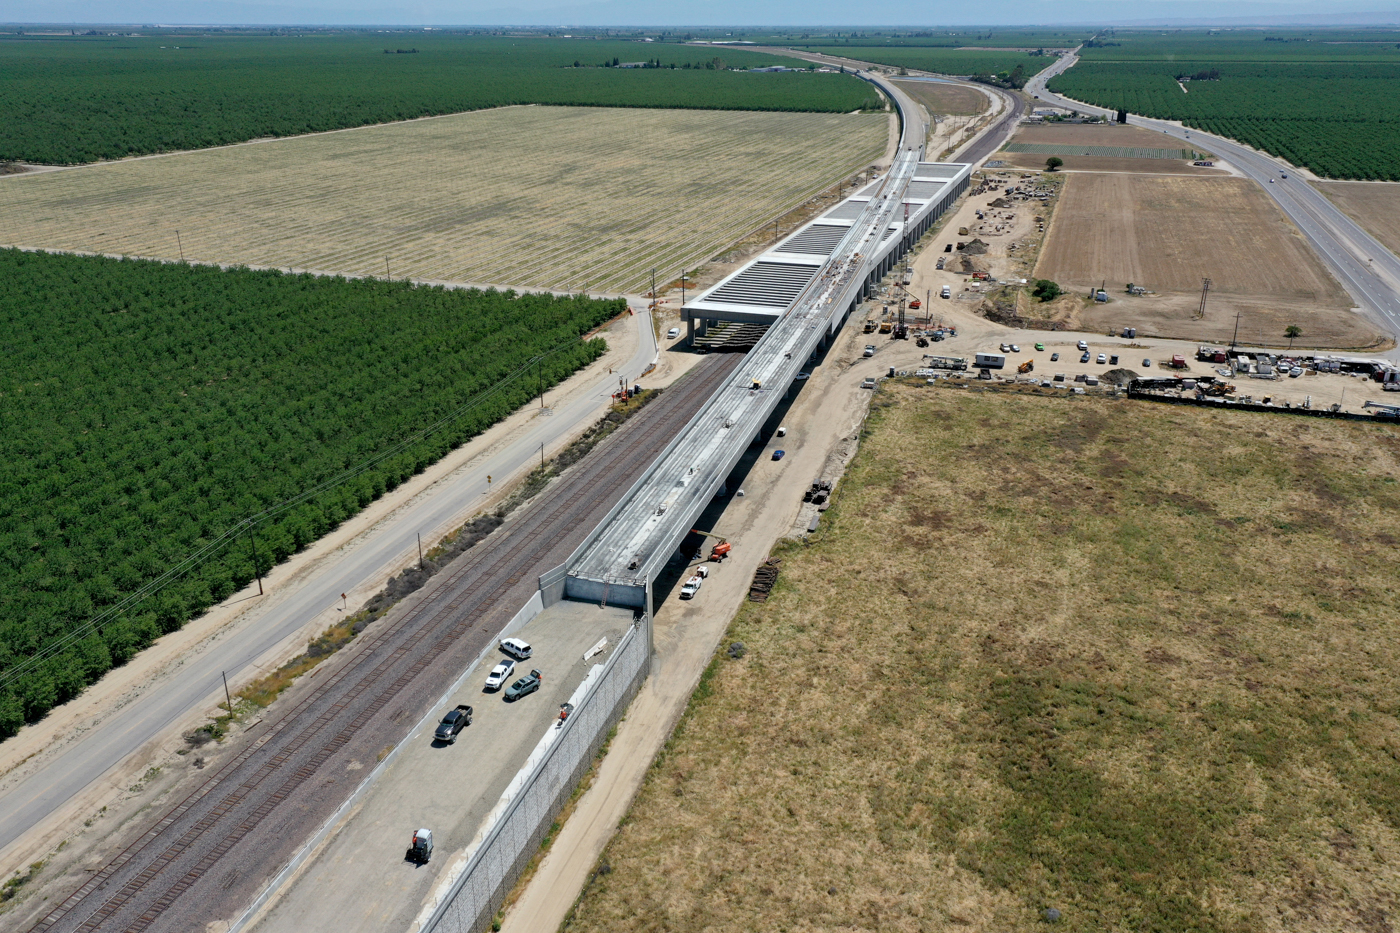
(721, 550)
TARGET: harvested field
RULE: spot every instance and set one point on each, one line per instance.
(544, 197)
(946, 99)
(1374, 205)
(1166, 233)
(1105, 152)
(1075, 653)
(1081, 163)
(1093, 134)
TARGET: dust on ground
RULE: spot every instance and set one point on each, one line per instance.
(1093, 655)
(1166, 234)
(1373, 204)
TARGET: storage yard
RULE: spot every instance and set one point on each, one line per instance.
(1167, 234)
(572, 198)
(1126, 662)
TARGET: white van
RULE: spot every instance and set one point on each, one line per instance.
(673, 333)
(946, 293)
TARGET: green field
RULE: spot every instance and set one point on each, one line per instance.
(948, 61)
(72, 100)
(149, 408)
(1330, 103)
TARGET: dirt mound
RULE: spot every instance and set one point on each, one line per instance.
(975, 248)
(999, 202)
(1119, 377)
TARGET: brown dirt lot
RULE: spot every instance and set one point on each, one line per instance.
(1167, 233)
(949, 99)
(1035, 161)
(1095, 134)
(1129, 661)
(1374, 205)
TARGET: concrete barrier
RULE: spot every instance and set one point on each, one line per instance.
(508, 846)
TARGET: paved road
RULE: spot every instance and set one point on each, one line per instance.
(1368, 271)
(204, 860)
(29, 802)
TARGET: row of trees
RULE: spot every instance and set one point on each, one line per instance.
(1341, 121)
(83, 100)
(147, 408)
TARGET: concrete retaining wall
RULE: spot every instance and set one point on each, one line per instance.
(493, 869)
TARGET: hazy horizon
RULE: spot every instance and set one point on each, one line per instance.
(697, 13)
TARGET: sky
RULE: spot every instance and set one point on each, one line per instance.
(697, 12)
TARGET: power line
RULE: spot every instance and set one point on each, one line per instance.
(202, 553)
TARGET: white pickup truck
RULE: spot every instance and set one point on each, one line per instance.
(691, 587)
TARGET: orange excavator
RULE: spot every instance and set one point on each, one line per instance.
(721, 549)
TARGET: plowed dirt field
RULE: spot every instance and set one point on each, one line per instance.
(1167, 233)
(1373, 204)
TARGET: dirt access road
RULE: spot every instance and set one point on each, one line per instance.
(207, 858)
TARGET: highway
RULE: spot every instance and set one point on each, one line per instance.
(1368, 271)
(194, 683)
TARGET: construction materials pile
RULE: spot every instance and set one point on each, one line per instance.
(763, 579)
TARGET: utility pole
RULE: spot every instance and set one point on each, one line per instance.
(253, 547)
(541, 456)
(420, 550)
(227, 696)
(653, 289)
(1205, 291)
(682, 289)
(386, 268)
(180, 245)
(1237, 330)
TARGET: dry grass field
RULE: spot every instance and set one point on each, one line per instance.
(1095, 134)
(550, 197)
(946, 99)
(1132, 662)
(1167, 233)
(1035, 162)
(1374, 205)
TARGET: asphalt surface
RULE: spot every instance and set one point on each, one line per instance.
(195, 682)
(204, 860)
(1368, 271)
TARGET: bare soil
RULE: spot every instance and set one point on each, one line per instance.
(1036, 161)
(1095, 134)
(945, 99)
(1118, 659)
(1374, 205)
(1167, 234)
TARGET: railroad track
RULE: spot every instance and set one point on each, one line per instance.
(242, 814)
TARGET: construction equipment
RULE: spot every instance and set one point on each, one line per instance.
(886, 326)
(721, 549)
(1391, 410)
(1217, 389)
(870, 325)
(1026, 367)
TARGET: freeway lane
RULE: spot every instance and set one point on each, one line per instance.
(1368, 271)
(31, 801)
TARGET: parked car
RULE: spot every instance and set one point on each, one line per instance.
(453, 723)
(1054, 357)
(1083, 344)
(500, 674)
(1101, 359)
(1015, 349)
(778, 454)
(1085, 357)
(673, 333)
(520, 650)
(869, 383)
(869, 349)
(1004, 348)
(524, 686)
(802, 376)
(1113, 360)
(1040, 347)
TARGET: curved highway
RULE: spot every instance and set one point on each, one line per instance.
(1368, 271)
